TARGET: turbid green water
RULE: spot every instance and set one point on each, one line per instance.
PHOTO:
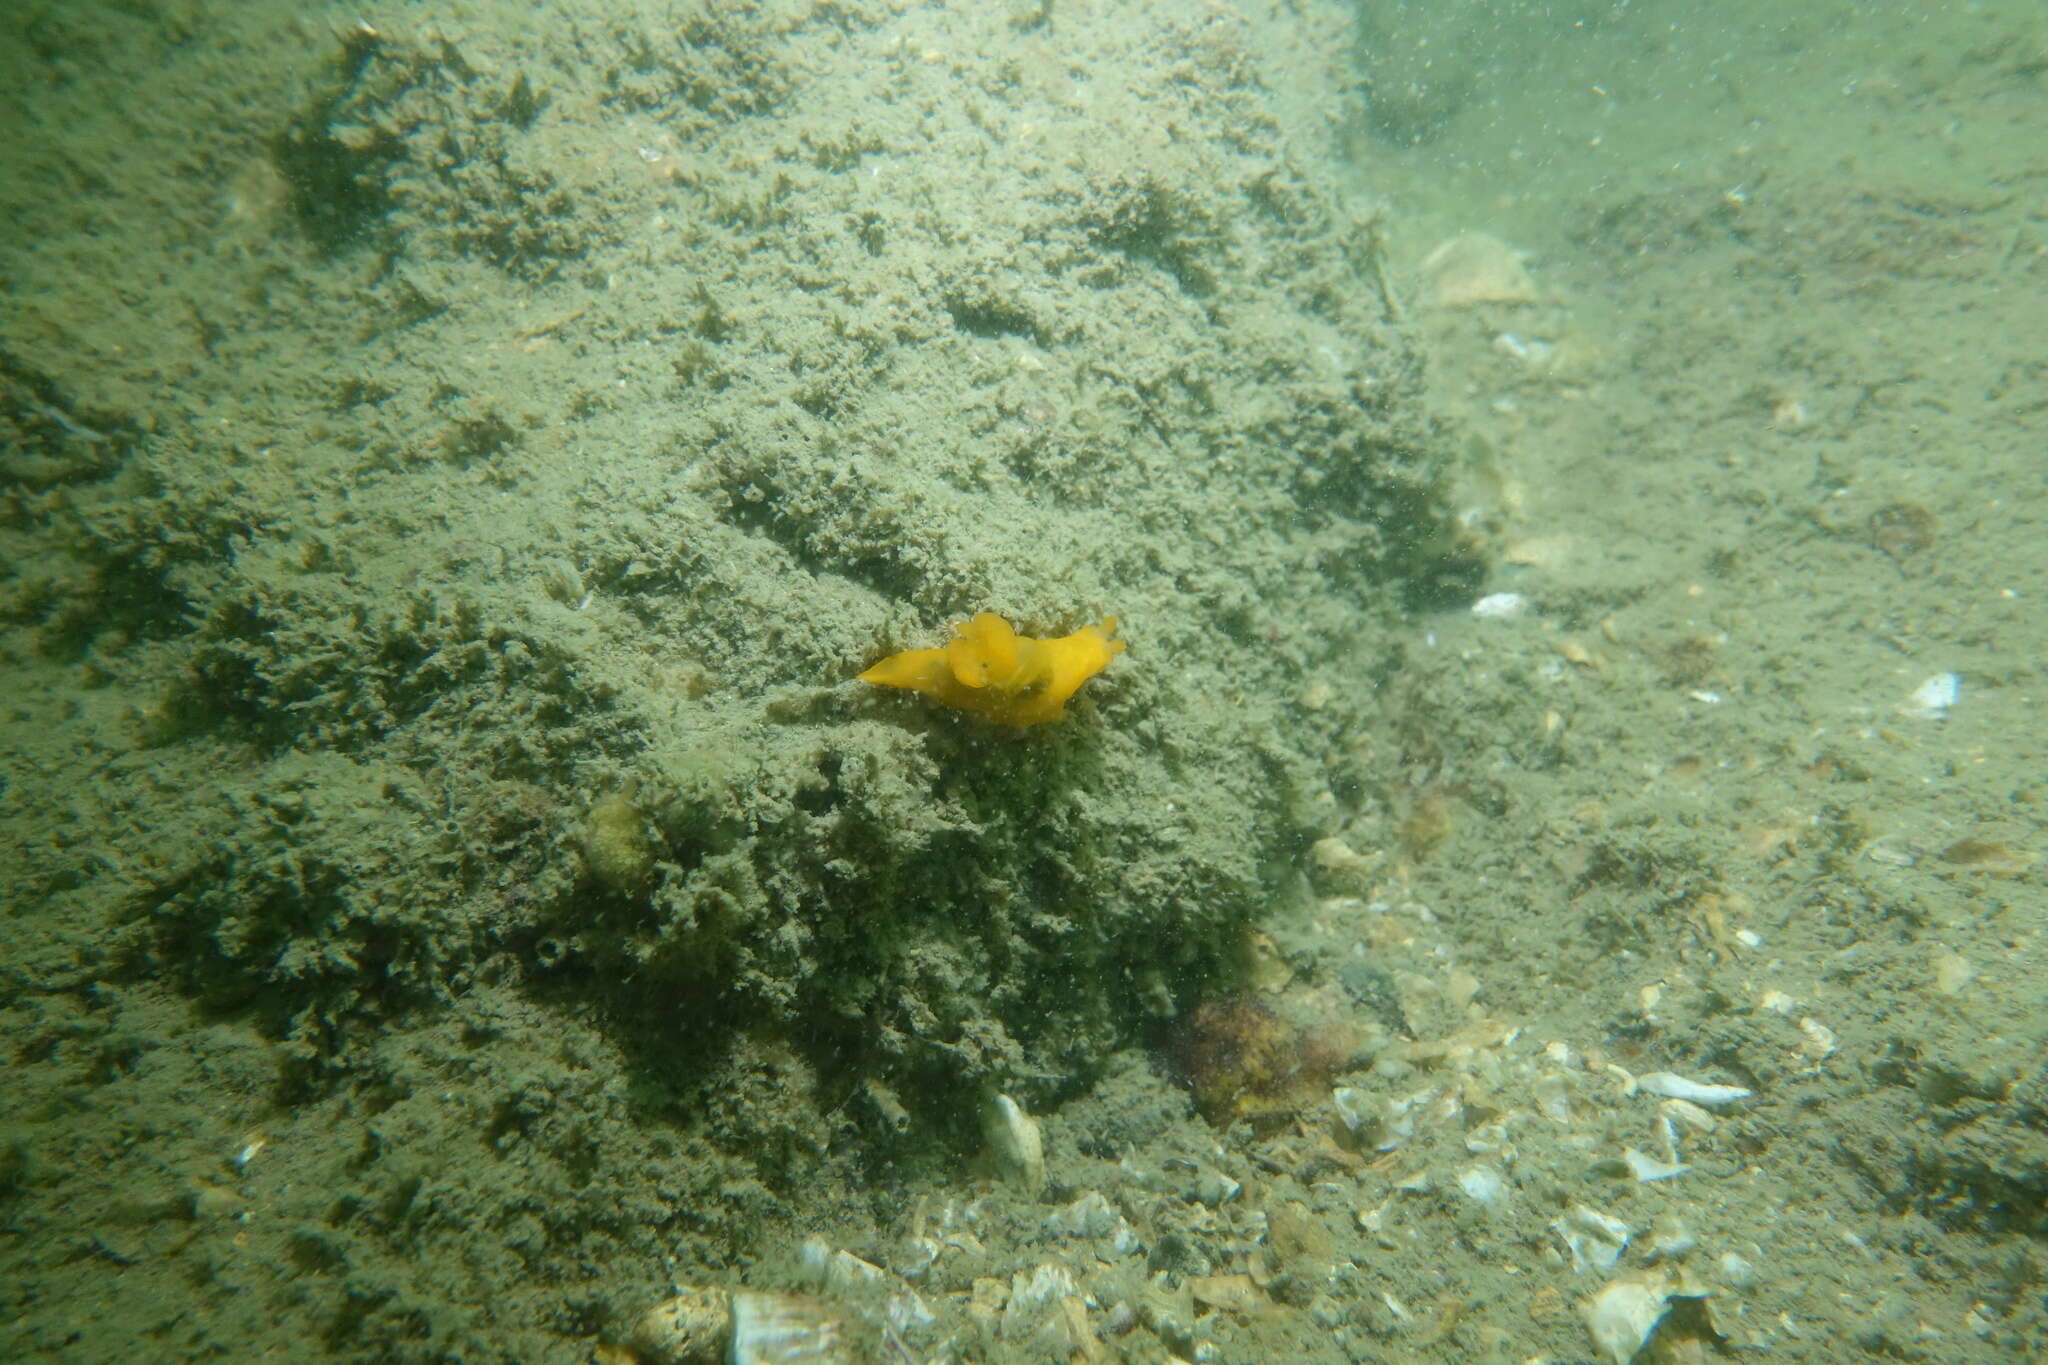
(454, 462)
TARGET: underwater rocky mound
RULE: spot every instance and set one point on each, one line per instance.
(510, 643)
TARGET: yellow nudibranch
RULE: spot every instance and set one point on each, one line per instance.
(990, 669)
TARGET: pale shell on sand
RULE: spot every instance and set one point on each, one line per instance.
(1015, 1142)
(1473, 268)
(741, 1327)
(1623, 1316)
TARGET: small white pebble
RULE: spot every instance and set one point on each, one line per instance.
(1932, 699)
(1501, 604)
(1483, 1185)
(1646, 1168)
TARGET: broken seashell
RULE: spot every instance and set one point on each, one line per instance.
(787, 1329)
(1596, 1240)
(1554, 1098)
(1646, 1168)
(1699, 1092)
(1089, 1216)
(839, 1271)
(1025, 1312)
(1368, 1118)
(1932, 699)
(1214, 1188)
(1820, 1041)
(1474, 268)
(908, 1312)
(1015, 1142)
(1500, 605)
(742, 1327)
(1357, 1111)
(1623, 1316)
(1484, 1185)
(1670, 1239)
(1674, 1116)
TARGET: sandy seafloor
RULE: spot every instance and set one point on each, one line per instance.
(457, 454)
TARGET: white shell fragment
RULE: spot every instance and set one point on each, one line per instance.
(1670, 1239)
(1091, 1216)
(908, 1313)
(1554, 1099)
(1534, 351)
(839, 1271)
(1032, 1295)
(1622, 1316)
(1354, 1110)
(1821, 1041)
(786, 1329)
(1647, 1168)
(1015, 1143)
(1736, 1270)
(1214, 1188)
(1595, 1239)
(1474, 268)
(1676, 1114)
(1932, 699)
(714, 1327)
(1499, 605)
(1702, 1093)
(1483, 1185)
(1375, 1119)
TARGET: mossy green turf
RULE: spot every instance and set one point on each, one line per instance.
(532, 436)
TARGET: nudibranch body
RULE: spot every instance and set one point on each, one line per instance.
(991, 670)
